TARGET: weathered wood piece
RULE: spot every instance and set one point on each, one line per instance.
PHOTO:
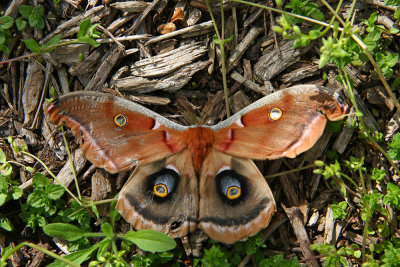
(300, 73)
(32, 91)
(108, 62)
(194, 30)
(239, 50)
(131, 6)
(277, 60)
(393, 125)
(172, 69)
(344, 137)
(66, 175)
(249, 84)
(295, 217)
(170, 83)
(89, 64)
(239, 101)
(141, 17)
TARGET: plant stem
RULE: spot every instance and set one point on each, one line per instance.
(72, 163)
(350, 93)
(52, 175)
(290, 171)
(221, 45)
(51, 254)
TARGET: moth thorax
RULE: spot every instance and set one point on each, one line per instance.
(198, 140)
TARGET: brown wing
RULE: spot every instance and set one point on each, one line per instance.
(235, 200)
(116, 133)
(173, 209)
(285, 123)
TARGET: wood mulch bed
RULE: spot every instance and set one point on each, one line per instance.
(177, 74)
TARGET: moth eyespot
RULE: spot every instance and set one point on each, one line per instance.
(121, 120)
(160, 190)
(229, 184)
(164, 183)
(275, 114)
(233, 192)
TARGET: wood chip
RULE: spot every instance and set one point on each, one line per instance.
(66, 176)
(296, 220)
(277, 60)
(300, 73)
(248, 40)
(249, 84)
(191, 31)
(32, 91)
(131, 6)
(329, 227)
(108, 62)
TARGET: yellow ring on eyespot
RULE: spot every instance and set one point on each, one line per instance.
(160, 190)
(120, 120)
(233, 192)
(275, 114)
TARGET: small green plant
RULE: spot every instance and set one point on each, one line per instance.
(107, 252)
(278, 261)
(336, 257)
(6, 22)
(87, 34)
(8, 189)
(34, 15)
(43, 203)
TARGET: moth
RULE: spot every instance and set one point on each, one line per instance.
(196, 176)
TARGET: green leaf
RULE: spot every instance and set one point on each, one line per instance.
(32, 45)
(6, 224)
(392, 196)
(25, 10)
(35, 19)
(278, 260)
(37, 198)
(3, 198)
(64, 230)
(3, 183)
(104, 247)
(314, 34)
(76, 257)
(83, 28)
(396, 14)
(394, 146)
(3, 158)
(378, 174)
(53, 41)
(21, 24)
(39, 180)
(215, 39)
(17, 192)
(149, 240)
(339, 210)
(215, 256)
(88, 40)
(2, 38)
(54, 191)
(6, 22)
(107, 229)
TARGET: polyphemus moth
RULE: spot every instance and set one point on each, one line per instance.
(196, 176)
